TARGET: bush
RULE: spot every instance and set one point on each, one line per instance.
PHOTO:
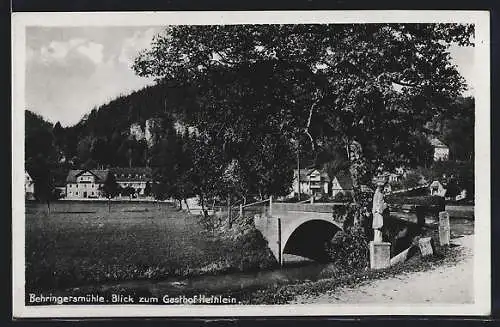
(343, 197)
(348, 250)
(411, 180)
(252, 252)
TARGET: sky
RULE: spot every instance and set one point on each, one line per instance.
(70, 70)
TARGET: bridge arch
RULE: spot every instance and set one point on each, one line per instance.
(307, 236)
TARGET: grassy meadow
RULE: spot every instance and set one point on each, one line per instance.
(79, 244)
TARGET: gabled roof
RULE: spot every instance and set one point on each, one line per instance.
(344, 180)
(437, 143)
(306, 172)
(436, 183)
(100, 174)
(141, 174)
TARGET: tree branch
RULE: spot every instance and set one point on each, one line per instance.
(306, 129)
(367, 75)
(225, 60)
(405, 83)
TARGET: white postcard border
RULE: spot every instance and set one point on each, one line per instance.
(482, 268)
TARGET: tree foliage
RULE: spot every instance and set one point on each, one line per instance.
(172, 168)
(378, 84)
(110, 187)
(41, 155)
(371, 89)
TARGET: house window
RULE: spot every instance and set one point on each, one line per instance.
(76, 193)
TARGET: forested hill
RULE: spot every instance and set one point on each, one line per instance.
(103, 137)
(162, 100)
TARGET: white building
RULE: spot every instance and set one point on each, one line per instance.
(135, 177)
(29, 186)
(312, 182)
(393, 177)
(87, 183)
(84, 183)
(436, 188)
(441, 150)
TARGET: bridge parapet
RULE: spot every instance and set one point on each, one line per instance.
(305, 207)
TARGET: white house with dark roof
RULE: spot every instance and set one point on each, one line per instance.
(313, 182)
(134, 177)
(85, 183)
(441, 150)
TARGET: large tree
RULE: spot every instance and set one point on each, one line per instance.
(369, 88)
(171, 160)
(41, 155)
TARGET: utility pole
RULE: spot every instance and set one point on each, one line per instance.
(229, 211)
(298, 171)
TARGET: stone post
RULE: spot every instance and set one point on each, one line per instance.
(444, 228)
(241, 210)
(425, 246)
(380, 255)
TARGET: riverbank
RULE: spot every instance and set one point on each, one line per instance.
(93, 247)
(451, 282)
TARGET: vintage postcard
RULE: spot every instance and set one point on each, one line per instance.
(275, 163)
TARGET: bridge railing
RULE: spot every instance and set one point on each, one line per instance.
(262, 208)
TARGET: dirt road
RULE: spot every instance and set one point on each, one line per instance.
(450, 283)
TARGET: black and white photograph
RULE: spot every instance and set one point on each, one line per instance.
(251, 164)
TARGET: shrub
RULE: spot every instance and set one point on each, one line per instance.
(252, 252)
(343, 197)
(348, 250)
(412, 180)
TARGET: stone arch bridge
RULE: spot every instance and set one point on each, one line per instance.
(298, 228)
